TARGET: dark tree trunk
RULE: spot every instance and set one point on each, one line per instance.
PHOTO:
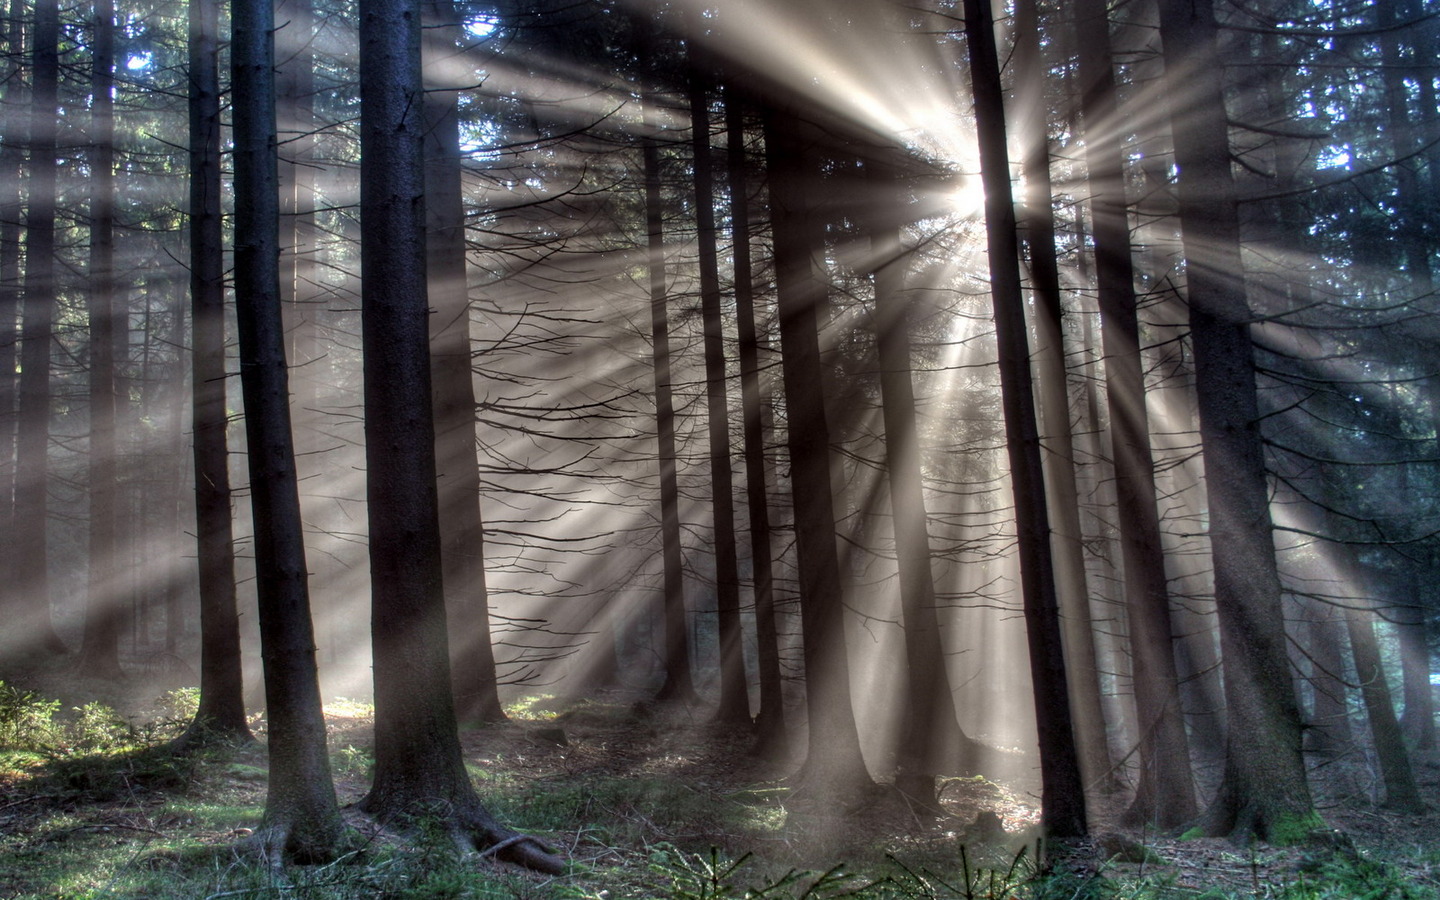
(12, 139)
(1067, 538)
(1063, 796)
(31, 629)
(1401, 792)
(770, 720)
(301, 816)
(419, 770)
(1418, 719)
(221, 713)
(100, 643)
(1329, 732)
(1416, 243)
(462, 534)
(734, 697)
(1264, 790)
(1165, 795)
(834, 767)
(678, 680)
(178, 584)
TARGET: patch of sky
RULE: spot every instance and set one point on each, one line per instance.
(137, 61)
(479, 138)
(482, 25)
(1334, 157)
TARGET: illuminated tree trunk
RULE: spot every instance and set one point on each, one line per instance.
(770, 720)
(100, 644)
(462, 533)
(221, 713)
(834, 766)
(419, 770)
(678, 681)
(301, 293)
(1063, 797)
(1067, 538)
(296, 119)
(930, 734)
(301, 816)
(31, 629)
(1165, 795)
(734, 698)
(1263, 790)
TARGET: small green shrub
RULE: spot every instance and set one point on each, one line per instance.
(27, 720)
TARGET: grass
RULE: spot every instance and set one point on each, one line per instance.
(91, 806)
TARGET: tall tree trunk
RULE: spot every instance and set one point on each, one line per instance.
(100, 644)
(301, 294)
(930, 735)
(1417, 244)
(1067, 538)
(13, 135)
(770, 720)
(301, 816)
(678, 680)
(734, 697)
(1063, 796)
(32, 629)
(178, 584)
(462, 534)
(1165, 795)
(1357, 607)
(1329, 732)
(1264, 789)
(419, 769)
(1401, 792)
(221, 713)
(834, 767)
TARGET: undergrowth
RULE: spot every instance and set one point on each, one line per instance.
(93, 805)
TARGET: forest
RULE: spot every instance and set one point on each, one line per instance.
(710, 449)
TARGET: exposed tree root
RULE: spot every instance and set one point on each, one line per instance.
(277, 843)
(471, 828)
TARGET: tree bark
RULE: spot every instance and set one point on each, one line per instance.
(1401, 792)
(462, 530)
(678, 683)
(32, 630)
(1329, 732)
(1067, 538)
(770, 719)
(100, 642)
(13, 136)
(419, 769)
(834, 767)
(221, 713)
(734, 698)
(301, 817)
(1263, 790)
(931, 741)
(1165, 794)
(1063, 796)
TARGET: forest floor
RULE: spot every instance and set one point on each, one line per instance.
(643, 802)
